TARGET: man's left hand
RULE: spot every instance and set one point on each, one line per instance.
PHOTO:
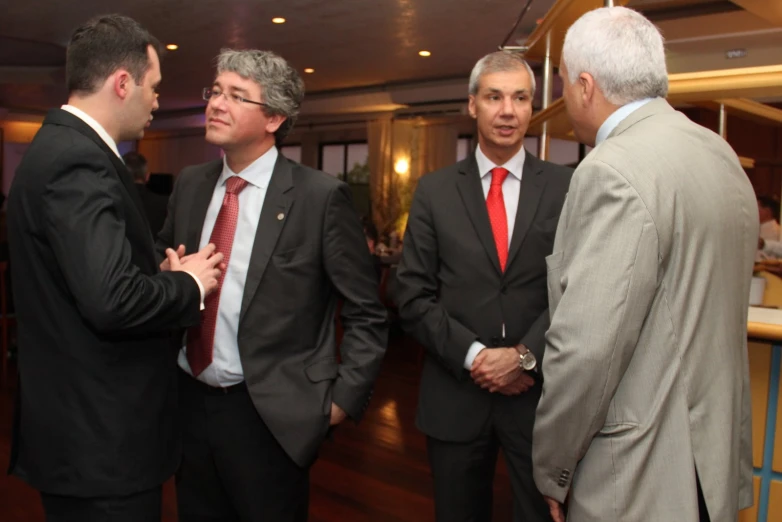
(495, 368)
(337, 415)
(557, 513)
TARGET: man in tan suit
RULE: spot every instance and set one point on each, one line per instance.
(645, 413)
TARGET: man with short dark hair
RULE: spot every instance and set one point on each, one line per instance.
(95, 426)
(155, 205)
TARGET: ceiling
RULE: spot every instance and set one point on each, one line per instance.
(355, 46)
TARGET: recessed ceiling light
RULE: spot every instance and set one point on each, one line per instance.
(172, 47)
(309, 70)
(424, 53)
(278, 20)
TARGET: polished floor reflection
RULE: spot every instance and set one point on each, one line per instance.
(376, 471)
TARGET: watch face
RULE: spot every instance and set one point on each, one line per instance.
(528, 361)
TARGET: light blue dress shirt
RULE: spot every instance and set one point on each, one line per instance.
(616, 118)
(226, 367)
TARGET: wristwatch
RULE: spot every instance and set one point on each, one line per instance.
(527, 360)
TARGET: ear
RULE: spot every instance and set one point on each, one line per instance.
(274, 123)
(586, 88)
(471, 107)
(121, 83)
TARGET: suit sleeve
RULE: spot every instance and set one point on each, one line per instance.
(535, 338)
(84, 223)
(364, 319)
(165, 237)
(608, 278)
(421, 313)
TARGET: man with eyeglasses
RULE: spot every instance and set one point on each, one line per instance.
(261, 385)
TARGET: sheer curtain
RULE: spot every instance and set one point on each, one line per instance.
(425, 147)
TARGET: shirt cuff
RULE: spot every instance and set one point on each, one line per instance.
(201, 289)
(472, 353)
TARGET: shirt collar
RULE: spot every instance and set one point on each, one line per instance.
(258, 173)
(515, 165)
(616, 118)
(94, 125)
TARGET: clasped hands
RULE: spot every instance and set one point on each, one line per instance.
(498, 370)
(206, 265)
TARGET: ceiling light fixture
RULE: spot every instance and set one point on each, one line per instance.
(309, 70)
(278, 20)
(424, 53)
(172, 47)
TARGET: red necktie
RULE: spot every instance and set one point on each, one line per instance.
(200, 339)
(499, 219)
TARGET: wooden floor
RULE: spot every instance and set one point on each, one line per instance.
(376, 471)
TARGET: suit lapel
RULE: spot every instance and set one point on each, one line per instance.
(468, 183)
(274, 214)
(532, 183)
(202, 195)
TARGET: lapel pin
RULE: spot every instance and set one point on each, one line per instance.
(280, 216)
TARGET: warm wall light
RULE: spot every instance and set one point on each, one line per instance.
(402, 166)
(172, 47)
(424, 53)
(278, 20)
(309, 70)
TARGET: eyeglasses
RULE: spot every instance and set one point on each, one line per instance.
(212, 94)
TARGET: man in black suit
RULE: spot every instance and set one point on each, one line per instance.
(472, 290)
(155, 205)
(261, 383)
(95, 426)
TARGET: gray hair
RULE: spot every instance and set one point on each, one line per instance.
(499, 61)
(623, 51)
(282, 89)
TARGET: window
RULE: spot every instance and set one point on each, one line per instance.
(350, 163)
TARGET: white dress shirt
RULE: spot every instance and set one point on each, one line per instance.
(226, 367)
(770, 230)
(97, 127)
(511, 188)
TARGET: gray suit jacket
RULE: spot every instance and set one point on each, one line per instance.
(308, 252)
(646, 375)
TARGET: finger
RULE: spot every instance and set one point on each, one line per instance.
(527, 380)
(173, 259)
(207, 251)
(216, 259)
(180, 251)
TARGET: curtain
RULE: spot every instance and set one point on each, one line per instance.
(425, 147)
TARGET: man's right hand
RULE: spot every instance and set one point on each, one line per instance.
(165, 266)
(205, 265)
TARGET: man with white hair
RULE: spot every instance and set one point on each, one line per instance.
(645, 412)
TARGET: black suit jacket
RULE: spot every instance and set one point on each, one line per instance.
(97, 373)
(451, 291)
(155, 207)
(309, 250)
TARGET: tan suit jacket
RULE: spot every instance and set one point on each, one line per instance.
(646, 373)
